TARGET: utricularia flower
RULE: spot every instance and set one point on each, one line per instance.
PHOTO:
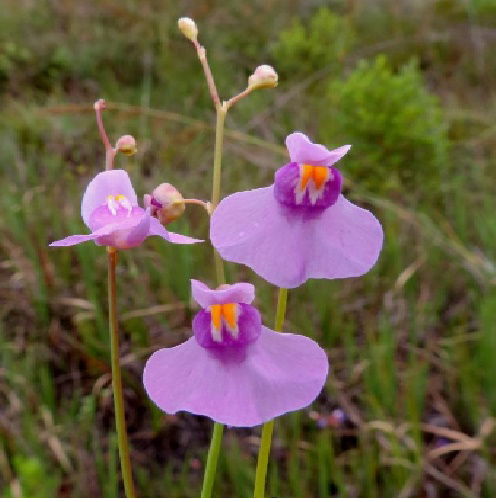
(300, 227)
(110, 210)
(233, 369)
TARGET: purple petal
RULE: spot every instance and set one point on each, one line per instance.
(280, 373)
(252, 228)
(72, 240)
(137, 234)
(346, 242)
(156, 228)
(122, 218)
(303, 151)
(122, 234)
(127, 232)
(113, 182)
(287, 248)
(241, 292)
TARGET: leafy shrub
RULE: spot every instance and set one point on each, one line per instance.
(323, 43)
(394, 123)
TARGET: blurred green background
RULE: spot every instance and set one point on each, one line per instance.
(412, 345)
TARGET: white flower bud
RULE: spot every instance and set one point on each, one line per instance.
(126, 144)
(188, 28)
(263, 76)
(100, 104)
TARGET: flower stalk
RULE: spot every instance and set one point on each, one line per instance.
(264, 76)
(110, 152)
(216, 181)
(218, 431)
(212, 459)
(190, 31)
(120, 420)
(268, 427)
(119, 409)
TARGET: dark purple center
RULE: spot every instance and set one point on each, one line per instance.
(227, 341)
(307, 197)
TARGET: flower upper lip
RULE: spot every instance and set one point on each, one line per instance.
(241, 292)
(303, 151)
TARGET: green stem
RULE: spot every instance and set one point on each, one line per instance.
(219, 141)
(216, 181)
(268, 427)
(216, 441)
(213, 457)
(120, 420)
(282, 300)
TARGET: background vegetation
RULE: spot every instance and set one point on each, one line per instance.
(409, 83)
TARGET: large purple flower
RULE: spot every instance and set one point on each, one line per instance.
(235, 370)
(110, 210)
(300, 227)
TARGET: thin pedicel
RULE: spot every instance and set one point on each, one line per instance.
(263, 77)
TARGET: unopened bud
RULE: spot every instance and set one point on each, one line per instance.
(126, 144)
(263, 76)
(166, 203)
(100, 104)
(188, 28)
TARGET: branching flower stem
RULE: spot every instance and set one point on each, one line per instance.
(221, 109)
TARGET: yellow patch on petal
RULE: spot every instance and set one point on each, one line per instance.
(320, 176)
(216, 314)
(313, 180)
(119, 200)
(229, 312)
(306, 173)
(227, 315)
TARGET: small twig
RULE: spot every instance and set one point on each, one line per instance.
(231, 102)
(202, 56)
(109, 150)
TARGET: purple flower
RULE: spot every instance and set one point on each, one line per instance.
(235, 370)
(110, 210)
(300, 227)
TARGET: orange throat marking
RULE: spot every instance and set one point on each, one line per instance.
(313, 180)
(318, 174)
(227, 315)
